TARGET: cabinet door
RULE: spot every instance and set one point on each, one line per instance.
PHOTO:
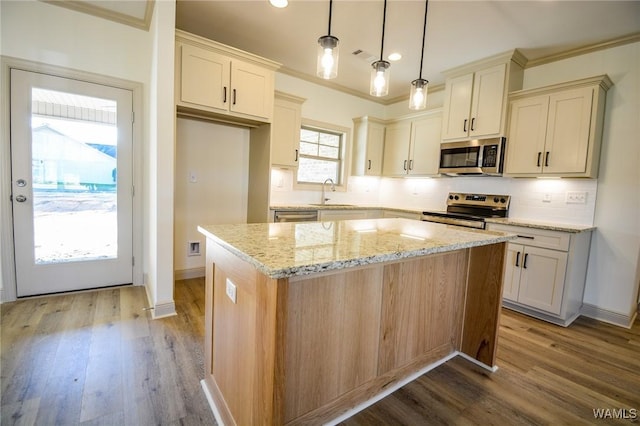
(204, 78)
(526, 136)
(568, 131)
(396, 149)
(285, 133)
(252, 90)
(542, 279)
(487, 102)
(457, 107)
(424, 155)
(374, 149)
(512, 268)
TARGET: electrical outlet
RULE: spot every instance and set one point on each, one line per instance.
(546, 198)
(231, 290)
(193, 177)
(576, 197)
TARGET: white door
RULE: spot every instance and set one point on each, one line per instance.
(71, 166)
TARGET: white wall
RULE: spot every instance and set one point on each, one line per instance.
(160, 159)
(218, 157)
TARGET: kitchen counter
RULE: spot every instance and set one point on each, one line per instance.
(541, 225)
(281, 250)
(305, 321)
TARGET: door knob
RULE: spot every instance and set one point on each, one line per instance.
(21, 198)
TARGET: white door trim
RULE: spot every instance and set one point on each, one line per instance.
(8, 290)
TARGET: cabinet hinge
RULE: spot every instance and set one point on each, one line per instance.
(133, 261)
(133, 117)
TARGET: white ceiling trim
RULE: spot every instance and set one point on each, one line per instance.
(141, 22)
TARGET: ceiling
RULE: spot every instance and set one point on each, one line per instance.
(458, 32)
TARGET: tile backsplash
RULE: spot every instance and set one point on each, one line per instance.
(534, 199)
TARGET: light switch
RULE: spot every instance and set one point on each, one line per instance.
(193, 177)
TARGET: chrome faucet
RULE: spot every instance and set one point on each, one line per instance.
(333, 189)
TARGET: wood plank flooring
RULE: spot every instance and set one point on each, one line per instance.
(96, 358)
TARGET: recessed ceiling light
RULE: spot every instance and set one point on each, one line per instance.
(279, 3)
(395, 57)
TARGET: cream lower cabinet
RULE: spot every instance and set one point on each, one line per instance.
(557, 131)
(545, 272)
(214, 78)
(347, 214)
(285, 130)
(412, 146)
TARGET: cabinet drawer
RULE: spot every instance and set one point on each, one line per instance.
(544, 238)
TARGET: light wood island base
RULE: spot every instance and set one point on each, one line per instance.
(308, 349)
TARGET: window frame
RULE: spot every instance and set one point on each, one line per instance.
(343, 167)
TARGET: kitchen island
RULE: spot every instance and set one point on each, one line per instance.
(307, 322)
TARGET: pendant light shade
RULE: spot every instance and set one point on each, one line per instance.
(328, 53)
(418, 96)
(380, 69)
(379, 78)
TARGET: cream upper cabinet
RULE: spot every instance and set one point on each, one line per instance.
(557, 131)
(395, 160)
(285, 130)
(412, 146)
(214, 78)
(475, 97)
(368, 145)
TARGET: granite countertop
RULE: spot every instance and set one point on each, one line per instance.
(564, 227)
(288, 249)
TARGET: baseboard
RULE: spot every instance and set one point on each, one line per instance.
(609, 317)
(187, 274)
(212, 404)
(478, 363)
(160, 310)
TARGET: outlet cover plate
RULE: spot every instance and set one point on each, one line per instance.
(576, 197)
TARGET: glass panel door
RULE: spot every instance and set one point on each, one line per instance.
(71, 171)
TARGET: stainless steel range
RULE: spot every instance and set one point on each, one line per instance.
(470, 210)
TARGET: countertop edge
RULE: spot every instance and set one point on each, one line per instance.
(563, 227)
(302, 270)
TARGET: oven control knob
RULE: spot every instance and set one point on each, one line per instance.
(496, 199)
(451, 197)
(502, 200)
(456, 197)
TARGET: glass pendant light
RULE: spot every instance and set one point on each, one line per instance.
(380, 69)
(328, 53)
(418, 97)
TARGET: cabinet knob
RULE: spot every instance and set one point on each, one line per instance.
(464, 126)
(472, 121)
(546, 159)
(539, 155)
(517, 259)
(405, 165)
(224, 95)
(369, 166)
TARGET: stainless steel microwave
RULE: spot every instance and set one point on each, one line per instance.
(472, 158)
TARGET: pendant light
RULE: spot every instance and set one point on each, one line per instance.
(328, 53)
(418, 97)
(380, 72)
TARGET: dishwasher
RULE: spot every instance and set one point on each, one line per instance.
(295, 216)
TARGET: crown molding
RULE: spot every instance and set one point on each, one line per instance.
(122, 18)
(340, 88)
(618, 41)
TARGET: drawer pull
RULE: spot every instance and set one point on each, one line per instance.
(517, 259)
(526, 237)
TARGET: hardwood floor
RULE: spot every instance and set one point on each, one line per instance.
(97, 358)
